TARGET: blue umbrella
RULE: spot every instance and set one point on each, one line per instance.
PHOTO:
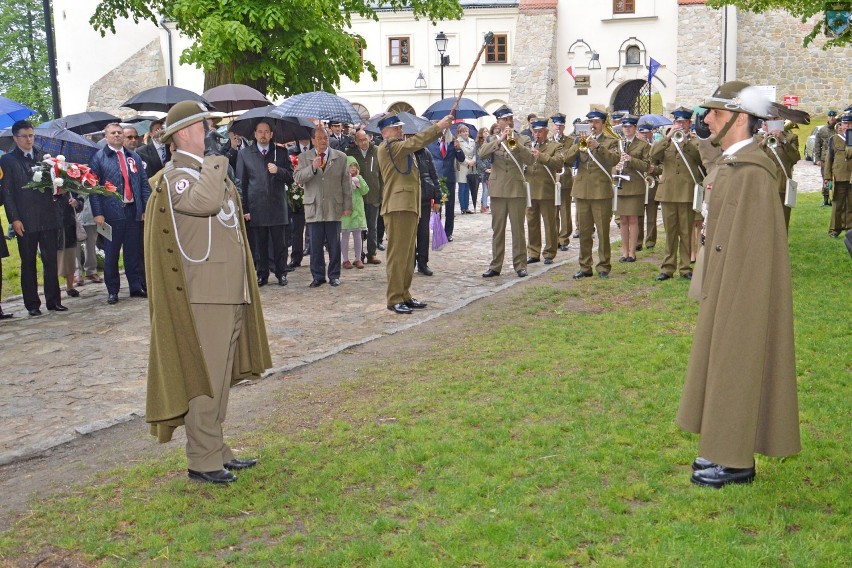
(656, 120)
(466, 109)
(11, 112)
(55, 140)
(318, 104)
(411, 124)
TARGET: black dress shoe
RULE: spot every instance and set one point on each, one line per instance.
(718, 476)
(72, 292)
(622, 259)
(522, 273)
(262, 282)
(582, 274)
(112, 299)
(449, 238)
(424, 270)
(701, 463)
(631, 259)
(236, 464)
(575, 235)
(316, 283)
(548, 261)
(288, 268)
(400, 309)
(532, 260)
(334, 282)
(563, 247)
(662, 276)
(222, 477)
(603, 274)
(648, 247)
(57, 308)
(415, 304)
(34, 312)
(638, 248)
(282, 280)
(5, 316)
(293, 265)
(688, 275)
(490, 273)
(380, 246)
(139, 294)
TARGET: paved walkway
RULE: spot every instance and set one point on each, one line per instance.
(66, 375)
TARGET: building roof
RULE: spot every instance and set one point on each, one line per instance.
(690, 2)
(465, 4)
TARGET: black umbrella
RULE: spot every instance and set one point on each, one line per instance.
(284, 129)
(321, 105)
(233, 97)
(141, 118)
(164, 98)
(82, 122)
(55, 140)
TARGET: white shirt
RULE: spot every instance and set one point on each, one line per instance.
(733, 148)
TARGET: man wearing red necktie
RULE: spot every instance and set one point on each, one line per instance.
(125, 170)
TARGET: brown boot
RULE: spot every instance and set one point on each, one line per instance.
(373, 260)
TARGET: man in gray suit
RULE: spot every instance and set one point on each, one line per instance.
(328, 197)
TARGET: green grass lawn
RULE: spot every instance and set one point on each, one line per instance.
(541, 433)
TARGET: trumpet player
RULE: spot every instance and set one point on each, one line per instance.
(566, 180)
(838, 167)
(782, 147)
(542, 175)
(680, 159)
(510, 152)
(631, 193)
(592, 191)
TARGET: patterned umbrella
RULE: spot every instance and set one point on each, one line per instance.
(163, 98)
(12, 111)
(466, 109)
(55, 140)
(319, 104)
(82, 122)
(233, 97)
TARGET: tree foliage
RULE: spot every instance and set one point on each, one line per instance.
(281, 47)
(23, 51)
(804, 9)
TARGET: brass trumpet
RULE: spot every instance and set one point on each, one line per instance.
(511, 141)
(583, 142)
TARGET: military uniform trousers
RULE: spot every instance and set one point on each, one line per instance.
(677, 220)
(566, 226)
(648, 230)
(513, 209)
(542, 210)
(218, 327)
(841, 208)
(594, 215)
(401, 227)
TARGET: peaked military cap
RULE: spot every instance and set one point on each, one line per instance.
(832, 112)
(646, 127)
(183, 114)
(503, 112)
(597, 113)
(630, 119)
(389, 121)
(558, 118)
(682, 113)
(539, 124)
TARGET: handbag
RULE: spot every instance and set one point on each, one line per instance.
(82, 236)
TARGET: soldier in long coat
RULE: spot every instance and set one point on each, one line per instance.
(740, 392)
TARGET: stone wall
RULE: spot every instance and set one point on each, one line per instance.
(771, 53)
(144, 69)
(533, 86)
(699, 54)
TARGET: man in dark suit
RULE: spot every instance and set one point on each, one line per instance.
(154, 154)
(34, 219)
(123, 169)
(446, 156)
(264, 171)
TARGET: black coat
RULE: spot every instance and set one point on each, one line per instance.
(151, 158)
(430, 187)
(265, 195)
(36, 210)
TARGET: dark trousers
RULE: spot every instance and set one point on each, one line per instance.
(450, 209)
(380, 229)
(28, 247)
(372, 213)
(125, 236)
(325, 233)
(263, 236)
(422, 249)
(296, 236)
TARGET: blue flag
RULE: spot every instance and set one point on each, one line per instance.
(652, 68)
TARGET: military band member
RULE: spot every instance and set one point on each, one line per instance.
(401, 205)
(566, 227)
(740, 391)
(631, 196)
(838, 168)
(542, 175)
(823, 135)
(785, 156)
(592, 190)
(648, 228)
(207, 327)
(510, 152)
(676, 192)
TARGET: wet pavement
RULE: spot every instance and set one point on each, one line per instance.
(69, 374)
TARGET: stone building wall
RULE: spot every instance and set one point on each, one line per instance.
(699, 54)
(771, 53)
(533, 86)
(144, 69)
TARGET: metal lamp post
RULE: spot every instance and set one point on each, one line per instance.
(441, 44)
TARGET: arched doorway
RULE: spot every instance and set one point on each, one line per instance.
(401, 106)
(635, 97)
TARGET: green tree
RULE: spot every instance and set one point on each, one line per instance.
(279, 47)
(804, 9)
(23, 51)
